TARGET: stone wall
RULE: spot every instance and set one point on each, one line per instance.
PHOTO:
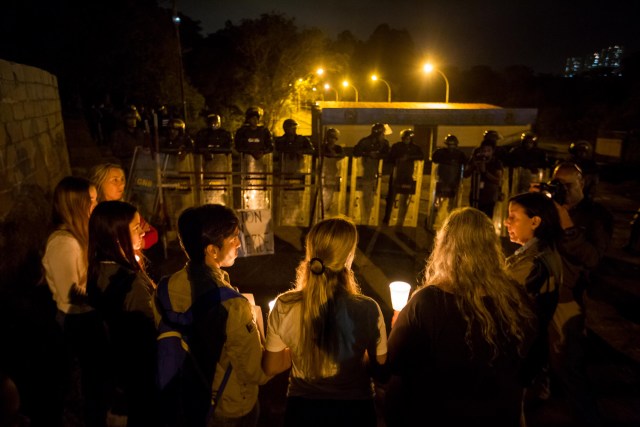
(33, 150)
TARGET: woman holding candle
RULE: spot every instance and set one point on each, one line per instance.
(456, 349)
(332, 335)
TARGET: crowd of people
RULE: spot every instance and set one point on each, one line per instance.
(482, 338)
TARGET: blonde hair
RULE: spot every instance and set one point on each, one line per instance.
(324, 274)
(467, 261)
(98, 176)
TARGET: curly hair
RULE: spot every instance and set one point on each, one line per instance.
(467, 261)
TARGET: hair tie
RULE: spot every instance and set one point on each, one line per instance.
(316, 266)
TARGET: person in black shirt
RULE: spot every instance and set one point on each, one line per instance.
(371, 149)
(402, 156)
(450, 162)
(253, 138)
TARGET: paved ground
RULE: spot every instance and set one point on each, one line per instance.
(385, 254)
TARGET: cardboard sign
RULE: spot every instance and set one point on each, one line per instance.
(256, 232)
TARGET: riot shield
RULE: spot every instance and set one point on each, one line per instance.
(501, 209)
(522, 178)
(142, 183)
(445, 193)
(256, 181)
(334, 186)
(178, 187)
(364, 198)
(406, 200)
(216, 184)
(293, 205)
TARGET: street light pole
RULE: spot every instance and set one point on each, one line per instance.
(176, 21)
(376, 78)
(327, 86)
(429, 68)
(347, 84)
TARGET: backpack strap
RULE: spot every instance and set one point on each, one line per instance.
(172, 326)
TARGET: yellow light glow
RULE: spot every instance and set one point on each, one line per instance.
(374, 77)
(320, 71)
(327, 86)
(428, 68)
(345, 83)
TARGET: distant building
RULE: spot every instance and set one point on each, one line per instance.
(606, 61)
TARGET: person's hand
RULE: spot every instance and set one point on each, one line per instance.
(563, 213)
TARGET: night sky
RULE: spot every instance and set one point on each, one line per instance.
(539, 34)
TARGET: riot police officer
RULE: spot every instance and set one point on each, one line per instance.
(485, 171)
(253, 138)
(125, 139)
(176, 140)
(331, 154)
(526, 162)
(213, 139)
(291, 142)
(402, 156)
(449, 163)
(371, 149)
(582, 154)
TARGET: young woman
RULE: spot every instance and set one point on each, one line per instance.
(456, 349)
(223, 335)
(534, 223)
(110, 181)
(65, 265)
(332, 335)
(121, 292)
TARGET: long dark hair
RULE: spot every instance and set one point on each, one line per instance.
(538, 204)
(110, 237)
(71, 204)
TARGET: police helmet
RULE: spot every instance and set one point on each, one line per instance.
(581, 149)
(176, 124)
(289, 123)
(332, 132)
(407, 133)
(451, 140)
(528, 138)
(492, 135)
(377, 128)
(253, 112)
(213, 119)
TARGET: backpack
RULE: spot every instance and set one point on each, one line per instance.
(189, 345)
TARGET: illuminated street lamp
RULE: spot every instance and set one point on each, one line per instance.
(347, 84)
(327, 86)
(375, 78)
(304, 83)
(429, 68)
